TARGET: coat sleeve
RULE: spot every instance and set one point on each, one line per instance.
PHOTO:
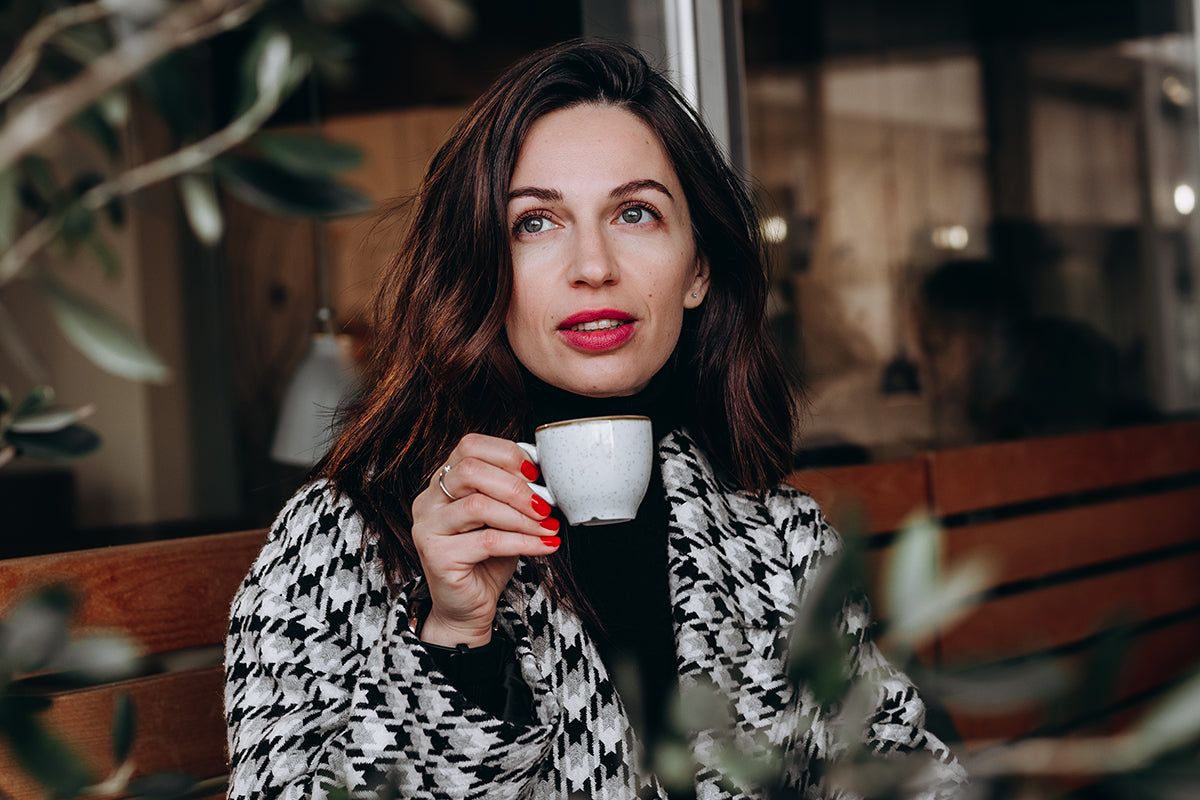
(327, 687)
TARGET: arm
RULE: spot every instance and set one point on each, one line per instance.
(326, 684)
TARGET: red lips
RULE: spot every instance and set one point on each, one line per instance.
(604, 338)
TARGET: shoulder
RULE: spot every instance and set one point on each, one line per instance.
(778, 538)
(318, 559)
(690, 478)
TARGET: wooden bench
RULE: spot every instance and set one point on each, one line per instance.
(1079, 527)
(1086, 533)
(172, 598)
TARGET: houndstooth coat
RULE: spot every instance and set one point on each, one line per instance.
(327, 686)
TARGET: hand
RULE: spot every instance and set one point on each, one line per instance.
(469, 545)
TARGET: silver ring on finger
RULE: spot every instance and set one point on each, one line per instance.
(441, 477)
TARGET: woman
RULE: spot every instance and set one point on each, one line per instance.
(418, 619)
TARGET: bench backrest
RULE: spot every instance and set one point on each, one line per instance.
(172, 597)
(1085, 532)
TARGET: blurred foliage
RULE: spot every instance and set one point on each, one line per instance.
(1154, 758)
(76, 71)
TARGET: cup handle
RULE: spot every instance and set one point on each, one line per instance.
(541, 491)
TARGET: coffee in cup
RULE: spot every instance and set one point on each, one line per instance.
(596, 469)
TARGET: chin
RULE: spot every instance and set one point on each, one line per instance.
(610, 388)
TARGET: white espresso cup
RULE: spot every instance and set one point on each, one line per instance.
(596, 469)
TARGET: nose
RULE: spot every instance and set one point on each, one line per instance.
(593, 262)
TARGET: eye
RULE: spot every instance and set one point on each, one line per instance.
(533, 223)
(639, 213)
(634, 215)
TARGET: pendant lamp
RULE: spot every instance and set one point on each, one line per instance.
(325, 379)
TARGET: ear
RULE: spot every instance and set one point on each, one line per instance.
(699, 288)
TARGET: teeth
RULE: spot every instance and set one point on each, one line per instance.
(598, 325)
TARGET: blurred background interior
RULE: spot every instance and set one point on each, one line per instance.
(981, 217)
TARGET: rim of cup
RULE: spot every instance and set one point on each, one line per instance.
(560, 423)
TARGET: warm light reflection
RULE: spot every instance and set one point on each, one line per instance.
(774, 229)
(1185, 199)
(1176, 91)
(950, 237)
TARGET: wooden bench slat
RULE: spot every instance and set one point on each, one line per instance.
(988, 476)
(180, 727)
(1068, 612)
(169, 595)
(1155, 659)
(887, 493)
(1036, 545)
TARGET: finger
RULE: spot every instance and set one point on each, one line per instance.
(475, 475)
(476, 546)
(479, 510)
(500, 452)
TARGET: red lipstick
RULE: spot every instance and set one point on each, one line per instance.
(614, 329)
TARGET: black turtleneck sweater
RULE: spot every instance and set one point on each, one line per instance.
(620, 571)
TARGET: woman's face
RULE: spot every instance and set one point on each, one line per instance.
(604, 263)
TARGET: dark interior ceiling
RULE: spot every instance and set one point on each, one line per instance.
(811, 30)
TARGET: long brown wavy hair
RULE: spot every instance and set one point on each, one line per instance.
(442, 366)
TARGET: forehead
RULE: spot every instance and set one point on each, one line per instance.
(589, 144)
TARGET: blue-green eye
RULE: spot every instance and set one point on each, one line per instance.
(534, 224)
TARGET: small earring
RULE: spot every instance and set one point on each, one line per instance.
(695, 294)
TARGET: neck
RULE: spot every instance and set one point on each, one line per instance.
(659, 401)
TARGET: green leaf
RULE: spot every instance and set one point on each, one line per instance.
(98, 659)
(273, 189)
(36, 632)
(917, 599)
(942, 605)
(202, 208)
(1174, 721)
(45, 757)
(171, 85)
(73, 441)
(36, 400)
(10, 207)
(49, 420)
(41, 176)
(308, 154)
(124, 727)
(162, 786)
(77, 225)
(114, 107)
(104, 255)
(104, 339)
(270, 75)
(254, 62)
(913, 566)
(98, 129)
(992, 688)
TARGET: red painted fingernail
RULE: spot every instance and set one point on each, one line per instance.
(529, 471)
(551, 541)
(540, 506)
(550, 524)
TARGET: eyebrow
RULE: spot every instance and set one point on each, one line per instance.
(633, 187)
(624, 190)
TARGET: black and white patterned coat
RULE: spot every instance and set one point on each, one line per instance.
(327, 686)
